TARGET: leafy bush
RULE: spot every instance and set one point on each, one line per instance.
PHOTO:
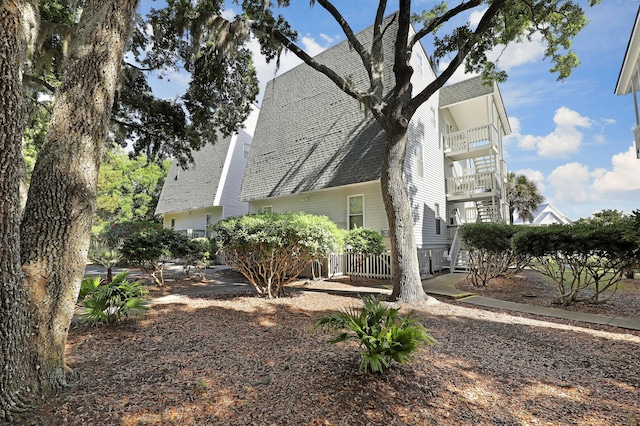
(381, 332)
(363, 243)
(151, 248)
(490, 251)
(114, 301)
(272, 249)
(586, 260)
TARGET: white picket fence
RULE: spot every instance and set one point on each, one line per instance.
(430, 260)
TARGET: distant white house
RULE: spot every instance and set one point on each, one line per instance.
(629, 77)
(546, 214)
(208, 190)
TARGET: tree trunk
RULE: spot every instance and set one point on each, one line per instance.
(56, 226)
(17, 373)
(407, 286)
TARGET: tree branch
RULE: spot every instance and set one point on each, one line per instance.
(351, 37)
(138, 68)
(356, 94)
(483, 26)
(38, 81)
(428, 29)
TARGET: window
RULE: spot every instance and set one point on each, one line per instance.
(247, 147)
(266, 209)
(438, 221)
(419, 160)
(356, 211)
(173, 223)
(433, 116)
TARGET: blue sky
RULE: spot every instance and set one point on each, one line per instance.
(574, 138)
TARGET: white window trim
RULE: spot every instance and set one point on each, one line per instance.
(364, 224)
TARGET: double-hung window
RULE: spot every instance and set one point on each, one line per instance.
(356, 211)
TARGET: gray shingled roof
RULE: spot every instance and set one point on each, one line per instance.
(463, 91)
(195, 187)
(312, 136)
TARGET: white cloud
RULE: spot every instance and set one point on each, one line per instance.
(518, 53)
(625, 175)
(565, 139)
(569, 183)
(579, 192)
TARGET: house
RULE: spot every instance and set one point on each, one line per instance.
(208, 190)
(316, 150)
(546, 214)
(629, 77)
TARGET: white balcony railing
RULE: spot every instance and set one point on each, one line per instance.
(466, 140)
(472, 184)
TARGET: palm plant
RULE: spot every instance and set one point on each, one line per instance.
(523, 197)
(381, 332)
(113, 301)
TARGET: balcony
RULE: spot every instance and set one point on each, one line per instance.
(471, 143)
(474, 186)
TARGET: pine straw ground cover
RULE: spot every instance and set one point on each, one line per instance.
(241, 360)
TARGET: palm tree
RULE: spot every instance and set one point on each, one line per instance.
(523, 197)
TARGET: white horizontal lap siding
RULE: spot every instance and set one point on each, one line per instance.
(231, 180)
(194, 219)
(426, 191)
(333, 204)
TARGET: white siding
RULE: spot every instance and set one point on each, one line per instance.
(231, 180)
(333, 204)
(194, 219)
(427, 191)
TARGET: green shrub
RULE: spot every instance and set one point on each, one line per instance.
(365, 241)
(586, 260)
(272, 249)
(152, 247)
(383, 335)
(112, 302)
(490, 251)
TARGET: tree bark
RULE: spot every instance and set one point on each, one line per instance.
(407, 286)
(56, 226)
(17, 373)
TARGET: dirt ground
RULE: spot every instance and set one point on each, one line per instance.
(240, 360)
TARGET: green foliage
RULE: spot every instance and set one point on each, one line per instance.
(112, 302)
(113, 234)
(383, 335)
(365, 241)
(88, 286)
(102, 253)
(152, 247)
(128, 188)
(586, 260)
(272, 249)
(490, 251)
(523, 197)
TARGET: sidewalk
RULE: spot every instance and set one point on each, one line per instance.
(445, 285)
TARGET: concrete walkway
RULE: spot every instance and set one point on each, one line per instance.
(445, 285)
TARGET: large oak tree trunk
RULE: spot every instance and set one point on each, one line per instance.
(56, 226)
(407, 286)
(18, 367)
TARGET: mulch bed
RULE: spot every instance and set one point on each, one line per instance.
(242, 360)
